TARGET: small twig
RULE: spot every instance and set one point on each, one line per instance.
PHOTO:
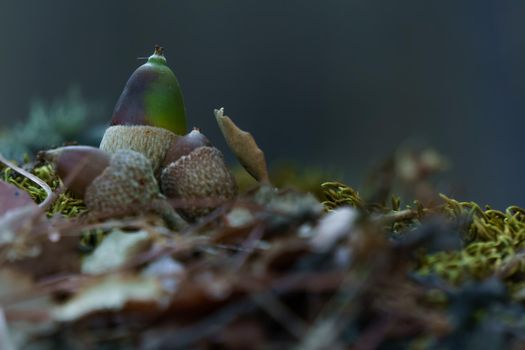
(396, 216)
(50, 196)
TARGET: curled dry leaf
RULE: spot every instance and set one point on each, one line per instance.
(243, 146)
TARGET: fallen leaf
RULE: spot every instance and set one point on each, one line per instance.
(115, 251)
(110, 293)
(244, 147)
(11, 197)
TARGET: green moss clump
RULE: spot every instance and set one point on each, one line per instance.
(65, 204)
(494, 241)
(494, 244)
(337, 194)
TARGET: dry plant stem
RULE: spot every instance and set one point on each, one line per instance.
(50, 195)
(390, 218)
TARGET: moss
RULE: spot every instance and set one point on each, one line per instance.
(337, 194)
(494, 241)
(65, 204)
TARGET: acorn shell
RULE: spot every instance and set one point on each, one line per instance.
(184, 145)
(77, 165)
(151, 141)
(152, 96)
(200, 180)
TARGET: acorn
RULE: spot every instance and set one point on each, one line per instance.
(185, 145)
(121, 183)
(197, 176)
(149, 113)
(82, 163)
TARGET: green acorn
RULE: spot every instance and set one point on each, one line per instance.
(149, 114)
(152, 96)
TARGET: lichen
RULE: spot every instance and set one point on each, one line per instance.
(48, 124)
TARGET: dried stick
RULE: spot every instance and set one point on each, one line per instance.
(50, 196)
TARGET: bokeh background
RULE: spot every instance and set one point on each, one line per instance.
(332, 84)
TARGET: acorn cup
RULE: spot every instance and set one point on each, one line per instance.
(196, 178)
(149, 113)
(122, 183)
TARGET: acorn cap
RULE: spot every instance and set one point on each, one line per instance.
(126, 184)
(184, 145)
(77, 165)
(151, 141)
(199, 176)
(152, 96)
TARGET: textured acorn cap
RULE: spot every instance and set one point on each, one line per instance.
(126, 184)
(199, 176)
(151, 141)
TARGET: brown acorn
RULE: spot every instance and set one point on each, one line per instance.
(200, 180)
(81, 163)
(126, 184)
(184, 145)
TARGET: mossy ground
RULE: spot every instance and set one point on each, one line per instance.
(379, 273)
(493, 241)
(66, 204)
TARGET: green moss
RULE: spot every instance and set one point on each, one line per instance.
(337, 194)
(494, 241)
(65, 204)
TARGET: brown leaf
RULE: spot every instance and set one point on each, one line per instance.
(51, 258)
(11, 197)
(244, 147)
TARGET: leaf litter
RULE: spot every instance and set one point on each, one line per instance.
(274, 268)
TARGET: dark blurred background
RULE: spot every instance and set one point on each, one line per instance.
(331, 84)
